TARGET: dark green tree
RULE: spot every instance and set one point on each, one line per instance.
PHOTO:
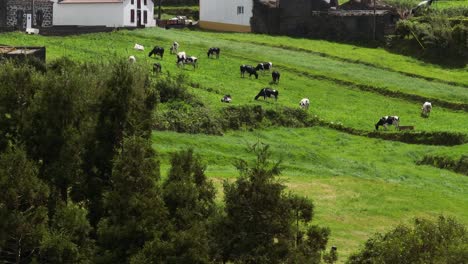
(68, 238)
(262, 224)
(135, 212)
(23, 207)
(188, 194)
(258, 217)
(52, 129)
(189, 197)
(18, 85)
(123, 109)
(441, 241)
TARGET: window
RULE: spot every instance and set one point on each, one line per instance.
(145, 2)
(138, 3)
(133, 2)
(132, 16)
(145, 17)
(240, 10)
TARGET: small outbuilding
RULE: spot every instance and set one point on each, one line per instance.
(226, 15)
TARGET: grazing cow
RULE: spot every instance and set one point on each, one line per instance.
(132, 59)
(157, 51)
(275, 75)
(426, 109)
(191, 60)
(181, 56)
(267, 92)
(249, 69)
(388, 120)
(226, 99)
(264, 66)
(138, 47)
(304, 103)
(174, 47)
(157, 67)
(214, 51)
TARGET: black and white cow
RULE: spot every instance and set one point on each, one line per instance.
(226, 99)
(157, 51)
(275, 75)
(426, 109)
(267, 92)
(388, 120)
(249, 69)
(174, 48)
(157, 67)
(214, 51)
(264, 66)
(304, 103)
(191, 60)
(181, 56)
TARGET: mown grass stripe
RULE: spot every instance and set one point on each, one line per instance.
(368, 88)
(322, 54)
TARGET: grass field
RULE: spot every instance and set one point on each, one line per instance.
(443, 4)
(360, 185)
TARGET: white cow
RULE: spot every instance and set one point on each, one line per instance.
(138, 47)
(304, 103)
(174, 47)
(426, 109)
(132, 59)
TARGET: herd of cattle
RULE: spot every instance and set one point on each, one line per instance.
(183, 59)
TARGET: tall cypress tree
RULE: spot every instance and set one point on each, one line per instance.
(189, 197)
(261, 223)
(23, 207)
(135, 212)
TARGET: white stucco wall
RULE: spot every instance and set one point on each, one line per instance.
(101, 14)
(225, 11)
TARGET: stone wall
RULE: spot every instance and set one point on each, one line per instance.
(335, 26)
(40, 6)
(315, 19)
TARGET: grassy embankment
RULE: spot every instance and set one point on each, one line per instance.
(359, 185)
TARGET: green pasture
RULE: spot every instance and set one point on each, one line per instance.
(444, 4)
(376, 57)
(359, 185)
(331, 101)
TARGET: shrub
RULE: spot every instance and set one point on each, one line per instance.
(174, 88)
(442, 241)
(184, 118)
(438, 36)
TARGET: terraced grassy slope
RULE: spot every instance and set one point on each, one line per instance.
(360, 185)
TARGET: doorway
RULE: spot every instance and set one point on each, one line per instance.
(19, 19)
(3, 14)
(139, 24)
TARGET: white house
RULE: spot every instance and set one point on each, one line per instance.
(226, 15)
(109, 13)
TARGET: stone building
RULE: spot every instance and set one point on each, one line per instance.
(13, 13)
(323, 19)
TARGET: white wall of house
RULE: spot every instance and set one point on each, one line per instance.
(102, 14)
(226, 11)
